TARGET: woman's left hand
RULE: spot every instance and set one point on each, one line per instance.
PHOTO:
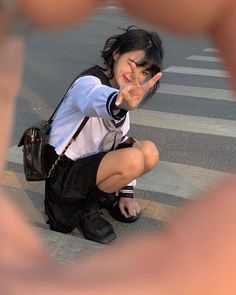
(129, 207)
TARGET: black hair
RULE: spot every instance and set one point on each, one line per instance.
(135, 38)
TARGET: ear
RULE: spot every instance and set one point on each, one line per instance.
(116, 54)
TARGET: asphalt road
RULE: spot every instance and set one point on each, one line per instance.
(192, 118)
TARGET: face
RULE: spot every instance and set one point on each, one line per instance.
(122, 69)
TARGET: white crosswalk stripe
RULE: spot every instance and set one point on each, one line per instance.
(193, 91)
(180, 180)
(211, 50)
(197, 71)
(187, 123)
(204, 58)
(172, 178)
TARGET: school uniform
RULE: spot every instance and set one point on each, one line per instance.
(72, 186)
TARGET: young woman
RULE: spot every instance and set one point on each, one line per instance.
(100, 166)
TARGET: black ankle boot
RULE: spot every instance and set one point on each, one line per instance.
(96, 228)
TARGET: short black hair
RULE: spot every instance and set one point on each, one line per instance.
(135, 38)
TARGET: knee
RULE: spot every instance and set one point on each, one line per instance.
(150, 154)
(134, 163)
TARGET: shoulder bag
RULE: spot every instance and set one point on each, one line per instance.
(34, 140)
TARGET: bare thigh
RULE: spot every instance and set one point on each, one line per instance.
(121, 166)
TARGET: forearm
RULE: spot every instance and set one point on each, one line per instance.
(199, 16)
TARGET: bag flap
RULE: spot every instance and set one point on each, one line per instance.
(38, 125)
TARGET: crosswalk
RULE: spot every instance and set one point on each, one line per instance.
(178, 180)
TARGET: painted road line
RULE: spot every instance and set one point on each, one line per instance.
(156, 210)
(195, 124)
(22, 189)
(197, 71)
(211, 50)
(201, 92)
(37, 103)
(15, 155)
(180, 180)
(205, 58)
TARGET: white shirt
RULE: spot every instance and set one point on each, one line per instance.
(87, 97)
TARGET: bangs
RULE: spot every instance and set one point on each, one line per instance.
(151, 61)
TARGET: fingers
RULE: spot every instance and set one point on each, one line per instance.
(134, 71)
(123, 211)
(130, 95)
(152, 81)
(122, 96)
(129, 207)
(119, 100)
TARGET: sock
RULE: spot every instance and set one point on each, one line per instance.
(126, 192)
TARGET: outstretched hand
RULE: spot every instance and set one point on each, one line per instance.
(131, 94)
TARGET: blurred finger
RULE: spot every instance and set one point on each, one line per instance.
(11, 64)
(57, 14)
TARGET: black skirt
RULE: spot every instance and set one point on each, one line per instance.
(67, 189)
(70, 187)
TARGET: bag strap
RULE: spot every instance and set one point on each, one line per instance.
(70, 142)
(79, 129)
(73, 137)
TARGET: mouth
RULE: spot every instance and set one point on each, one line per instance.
(126, 80)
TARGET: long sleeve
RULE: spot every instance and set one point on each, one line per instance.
(94, 99)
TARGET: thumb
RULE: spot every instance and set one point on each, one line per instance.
(123, 211)
(119, 99)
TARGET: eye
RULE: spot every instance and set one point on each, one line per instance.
(146, 73)
(147, 76)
